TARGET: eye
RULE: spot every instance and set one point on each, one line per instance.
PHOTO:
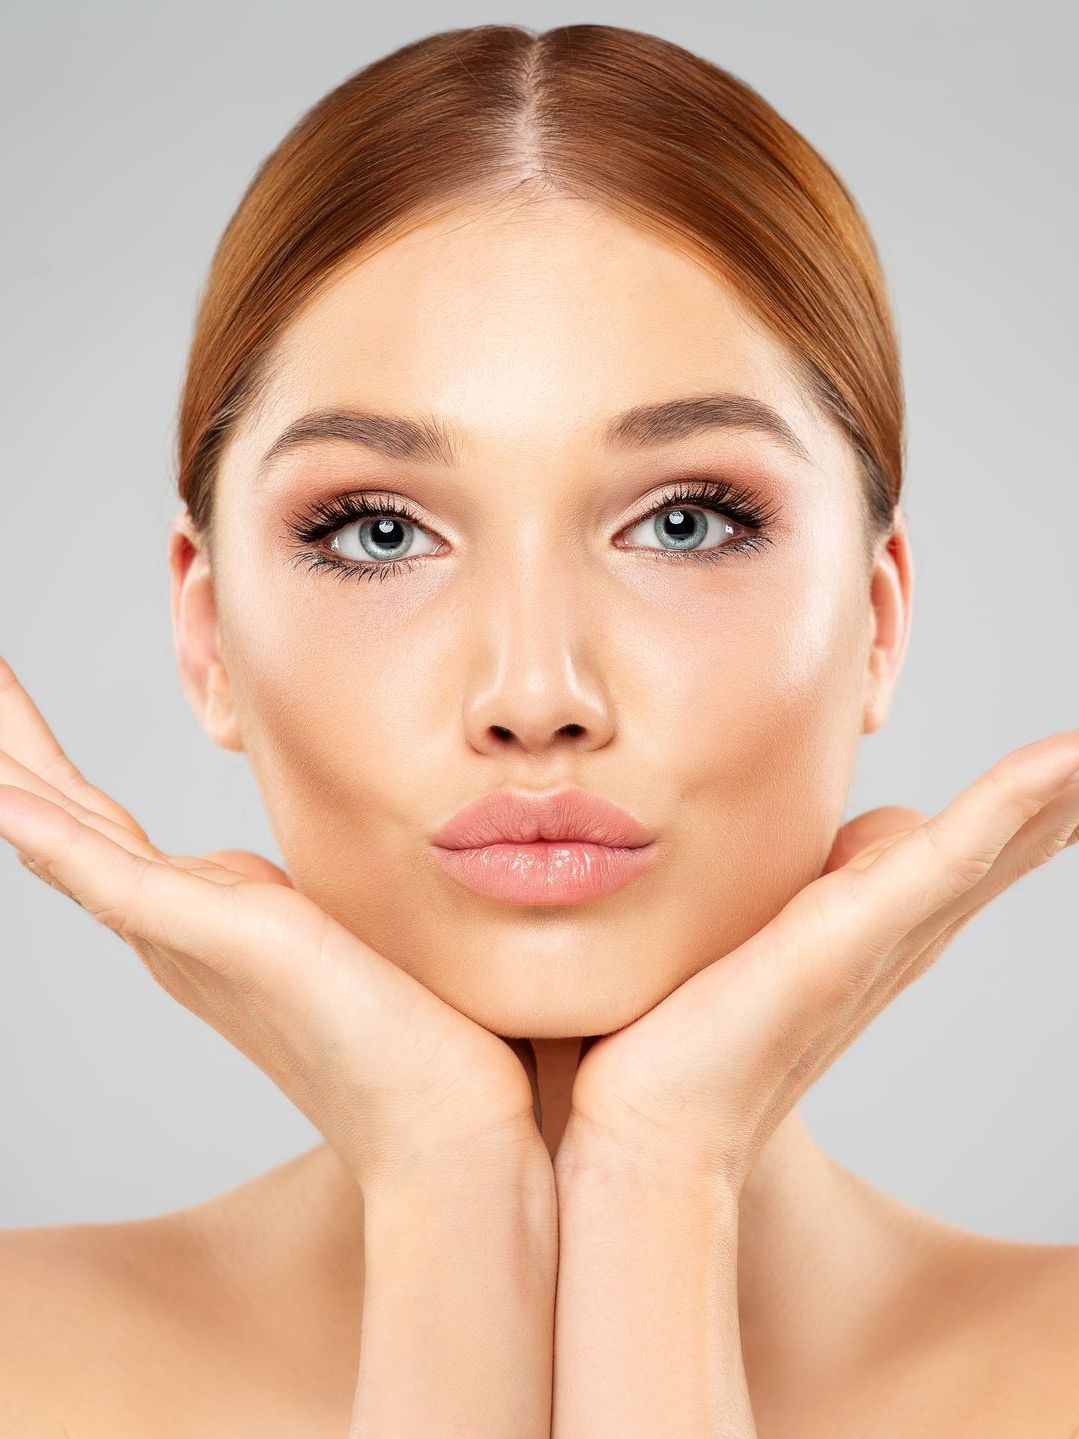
(385, 536)
(367, 535)
(375, 536)
(684, 528)
(702, 519)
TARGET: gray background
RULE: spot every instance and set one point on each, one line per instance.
(129, 132)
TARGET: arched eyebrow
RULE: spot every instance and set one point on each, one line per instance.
(428, 440)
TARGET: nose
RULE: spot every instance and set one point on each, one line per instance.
(535, 641)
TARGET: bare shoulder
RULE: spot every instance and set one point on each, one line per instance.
(1046, 1280)
(234, 1316)
(1010, 1285)
(998, 1337)
(79, 1304)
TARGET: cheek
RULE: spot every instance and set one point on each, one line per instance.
(762, 725)
(748, 683)
(326, 719)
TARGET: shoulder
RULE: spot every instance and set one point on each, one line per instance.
(83, 1310)
(1003, 1280)
(1047, 1287)
(1001, 1323)
(990, 1303)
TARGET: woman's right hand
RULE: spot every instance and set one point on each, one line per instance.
(393, 1077)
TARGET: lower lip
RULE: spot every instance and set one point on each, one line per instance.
(547, 872)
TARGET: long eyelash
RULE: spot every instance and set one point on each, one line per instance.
(324, 517)
(733, 501)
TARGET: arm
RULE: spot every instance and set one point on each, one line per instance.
(459, 1302)
(646, 1340)
(646, 1332)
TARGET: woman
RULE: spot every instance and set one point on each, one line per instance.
(540, 455)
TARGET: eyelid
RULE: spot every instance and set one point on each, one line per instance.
(322, 518)
(744, 505)
(753, 513)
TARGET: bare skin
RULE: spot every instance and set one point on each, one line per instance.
(859, 1313)
(724, 704)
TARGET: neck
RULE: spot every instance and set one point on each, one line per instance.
(807, 1229)
(812, 1267)
(556, 1065)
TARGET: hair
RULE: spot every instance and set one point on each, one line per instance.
(665, 139)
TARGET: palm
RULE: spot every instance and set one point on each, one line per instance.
(320, 972)
(711, 1025)
(708, 1073)
(377, 1061)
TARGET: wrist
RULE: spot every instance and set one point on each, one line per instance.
(483, 1172)
(589, 1154)
(501, 1209)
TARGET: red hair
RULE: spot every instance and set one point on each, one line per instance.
(662, 137)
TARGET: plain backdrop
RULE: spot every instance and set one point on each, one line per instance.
(129, 132)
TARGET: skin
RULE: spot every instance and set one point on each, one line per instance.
(723, 704)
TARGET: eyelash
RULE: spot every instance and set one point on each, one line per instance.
(325, 517)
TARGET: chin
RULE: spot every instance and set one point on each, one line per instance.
(528, 1001)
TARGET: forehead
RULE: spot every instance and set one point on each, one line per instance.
(531, 324)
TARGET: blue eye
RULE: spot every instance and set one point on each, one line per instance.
(388, 537)
(695, 512)
(685, 528)
(371, 535)
(384, 533)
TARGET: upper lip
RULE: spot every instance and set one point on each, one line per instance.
(507, 816)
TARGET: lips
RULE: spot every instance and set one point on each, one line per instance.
(562, 847)
(518, 817)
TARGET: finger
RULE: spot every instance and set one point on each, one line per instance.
(853, 932)
(941, 861)
(137, 895)
(1054, 828)
(887, 989)
(868, 832)
(18, 776)
(267, 941)
(230, 866)
(249, 864)
(28, 739)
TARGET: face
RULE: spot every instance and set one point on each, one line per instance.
(537, 611)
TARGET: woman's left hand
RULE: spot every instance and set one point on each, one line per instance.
(703, 1079)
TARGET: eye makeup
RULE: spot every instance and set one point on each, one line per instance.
(325, 518)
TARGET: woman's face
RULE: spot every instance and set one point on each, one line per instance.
(548, 627)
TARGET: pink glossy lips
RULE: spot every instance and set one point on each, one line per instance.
(561, 847)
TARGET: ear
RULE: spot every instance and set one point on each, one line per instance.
(196, 634)
(891, 596)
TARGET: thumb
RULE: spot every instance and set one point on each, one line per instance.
(246, 862)
(864, 836)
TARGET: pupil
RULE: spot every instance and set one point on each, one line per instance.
(387, 533)
(686, 527)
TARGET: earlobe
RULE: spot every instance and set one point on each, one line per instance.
(196, 634)
(871, 716)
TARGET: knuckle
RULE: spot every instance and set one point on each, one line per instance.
(959, 869)
(1052, 843)
(60, 771)
(123, 915)
(839, 962)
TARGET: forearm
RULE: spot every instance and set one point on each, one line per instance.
(458, 1307)
(646, 1341)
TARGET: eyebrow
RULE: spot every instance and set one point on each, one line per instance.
(427, 439)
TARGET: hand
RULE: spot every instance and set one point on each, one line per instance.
(705, 1077)
(391, 1075)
